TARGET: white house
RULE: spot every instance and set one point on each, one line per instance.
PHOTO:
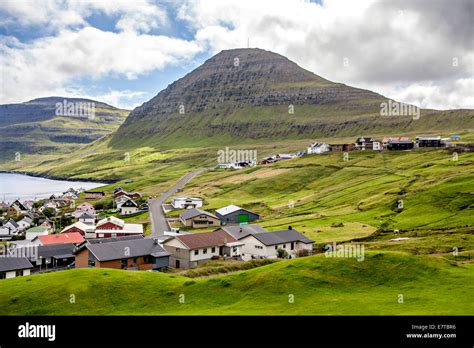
(24, 223)
(266, 245)
(195, 248)
(318, 148)
(84, 208)
(185, 202)
(128, 207)
(86, 218)
(10, 227)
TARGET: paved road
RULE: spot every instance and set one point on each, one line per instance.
(158, 221)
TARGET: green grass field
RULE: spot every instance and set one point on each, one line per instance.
(319, 286)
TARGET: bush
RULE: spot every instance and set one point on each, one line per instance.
(282, 253)
(340, 224)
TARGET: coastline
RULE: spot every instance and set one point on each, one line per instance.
(53, 177)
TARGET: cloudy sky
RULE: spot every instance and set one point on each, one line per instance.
(124, 52)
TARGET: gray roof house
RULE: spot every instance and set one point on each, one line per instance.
(198, 218)
(239, 232)
(134, 254)
(11, 267)
(267, 244)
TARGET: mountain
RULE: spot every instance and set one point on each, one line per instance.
(247, 95)
(57, 124)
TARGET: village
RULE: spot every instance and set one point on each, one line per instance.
(56, 234)
(388, 143)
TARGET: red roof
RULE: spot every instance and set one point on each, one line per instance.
(62, 238)
(208, 239)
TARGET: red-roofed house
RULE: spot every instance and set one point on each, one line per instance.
(192, 249)
(61, 238)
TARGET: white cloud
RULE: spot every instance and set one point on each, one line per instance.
(48, 65)
(54, 15)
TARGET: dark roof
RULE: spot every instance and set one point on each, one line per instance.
(56, 250)
(282, 236)
(126, 249)
(13, 222)
(204, 240)
(86, 215)
(113, 239)
(240, 232)
(189, 214)
(129, 203)
(14, 263)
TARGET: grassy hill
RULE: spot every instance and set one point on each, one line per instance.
(34, 128)
(320, 286)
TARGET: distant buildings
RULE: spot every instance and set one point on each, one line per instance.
(197, 218)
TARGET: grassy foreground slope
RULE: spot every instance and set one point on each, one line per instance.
(320, 286)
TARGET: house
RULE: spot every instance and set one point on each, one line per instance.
(17, 208)
(266, 245)
(197, 218)
(192, 249)
(185, 202)
(84, 208)
(368, 143)
(10, 227)
(428, 141)
(342, 147)
(131, 195)
(128, 207)
(4, 206)
(318, 148)
(105, 228)
(47, 223)
(11, 267)
(234, 214)
(24, 223)
(86, 230)
(94, 195)
(132, 254)
(34, 232)
(53, 256)
(86, 218)
(455, 137)
(115, 227)
(239, 232)
(397, 143)
(61, 238)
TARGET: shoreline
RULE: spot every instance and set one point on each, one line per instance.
(58, 178)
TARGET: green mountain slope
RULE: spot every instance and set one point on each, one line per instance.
(320, 286)
(247, 95)
(34, 127)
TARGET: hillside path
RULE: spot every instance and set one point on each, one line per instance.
(158, 220)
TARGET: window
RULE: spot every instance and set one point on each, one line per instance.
(213, 250)
(123, 263)
(284, 246)
(276, 247)
(292, 245)
(196, 252)
(204, 251)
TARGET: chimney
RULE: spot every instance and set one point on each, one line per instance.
(290, 228)
(155, 241)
